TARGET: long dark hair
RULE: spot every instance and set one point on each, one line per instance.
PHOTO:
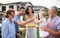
(27, 10)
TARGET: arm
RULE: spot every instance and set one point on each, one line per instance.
(18, 35)
(24, 22)
(55, 33)
(38, 21)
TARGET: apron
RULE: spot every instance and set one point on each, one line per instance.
(51, 25)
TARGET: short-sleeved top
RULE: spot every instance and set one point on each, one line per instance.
(8, 29)
(16, 18)
(44, 23)
(56, 21)
(56, 25)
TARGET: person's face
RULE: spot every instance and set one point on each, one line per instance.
(12, 15)
(29, 9)
(22, 11)
(51, 11)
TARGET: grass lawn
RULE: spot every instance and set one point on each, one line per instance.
(38, 33)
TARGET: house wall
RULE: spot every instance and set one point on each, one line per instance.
(7, 7)
(0, 8)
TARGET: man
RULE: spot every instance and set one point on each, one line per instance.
(18, 22)
(53, 23)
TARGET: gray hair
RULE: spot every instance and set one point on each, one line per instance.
(55, 8)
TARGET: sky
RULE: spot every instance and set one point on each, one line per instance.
(46, 3)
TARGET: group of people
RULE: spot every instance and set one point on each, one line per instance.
(47, 28)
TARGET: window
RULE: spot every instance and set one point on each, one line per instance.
(17, 8)
(3, 8)
(11, 6)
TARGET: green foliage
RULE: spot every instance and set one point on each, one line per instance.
(38, 33)
(59, 12)
(47, 17)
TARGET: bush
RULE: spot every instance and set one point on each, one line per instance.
(47, 17)
(58, 13)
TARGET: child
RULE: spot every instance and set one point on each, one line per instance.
(42, 22)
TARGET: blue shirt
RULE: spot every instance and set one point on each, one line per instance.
(8, 29)
(16, 18)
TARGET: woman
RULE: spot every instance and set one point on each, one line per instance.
(8, 27)
(30, 31)
(53, 24)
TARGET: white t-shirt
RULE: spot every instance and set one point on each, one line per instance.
(43, 33)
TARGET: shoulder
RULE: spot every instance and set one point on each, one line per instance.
(16, 17)
(5, 22)
(58, 20)
(16, 12)
(26, 16)
(44, 19)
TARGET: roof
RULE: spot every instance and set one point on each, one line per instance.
(39, 6)
(16, 3)
(0, 3)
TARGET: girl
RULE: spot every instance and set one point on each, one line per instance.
(42, 22)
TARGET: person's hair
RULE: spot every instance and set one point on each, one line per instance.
(55, 8)
(6, 15)
(21, 8)
(28, 8)
(43, 13)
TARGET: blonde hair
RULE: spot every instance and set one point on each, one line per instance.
(42, 13)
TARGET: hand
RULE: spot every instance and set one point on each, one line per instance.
(18, 35)
(44, 28)
(33, 18)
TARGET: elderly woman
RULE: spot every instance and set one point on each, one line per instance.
(8, 27)
(53, 23)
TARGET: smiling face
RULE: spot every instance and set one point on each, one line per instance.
(11, 15)
(30, 10)
(42, 14)
(53, 11)
(21, 11)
